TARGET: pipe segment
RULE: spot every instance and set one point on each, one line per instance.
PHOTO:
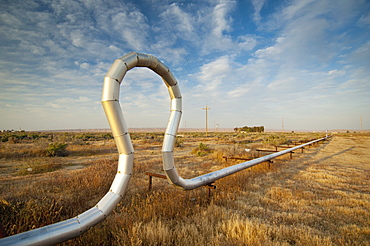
(111, 89)
(130, 60)
(89, 218)
(176, 104)
(117, 71)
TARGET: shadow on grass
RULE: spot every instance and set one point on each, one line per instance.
(336, 154)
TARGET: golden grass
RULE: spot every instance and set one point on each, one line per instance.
(321, 197)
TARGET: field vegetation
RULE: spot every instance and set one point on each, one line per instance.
(320, 197)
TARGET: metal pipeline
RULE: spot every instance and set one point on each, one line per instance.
(209, 178)
(67, 229)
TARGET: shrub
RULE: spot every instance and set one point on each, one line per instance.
(107, 136)
(57, 149)
(202, 150)
(179, 142)
(274, 139)
(34, 136)
(85, 137)
(6, 138)
(203, 147)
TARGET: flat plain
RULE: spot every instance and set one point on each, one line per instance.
(319, 197)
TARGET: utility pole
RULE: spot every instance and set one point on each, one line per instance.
(361, 122)
(206, 109)
(282, 124)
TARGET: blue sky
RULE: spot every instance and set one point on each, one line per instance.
(254, 62)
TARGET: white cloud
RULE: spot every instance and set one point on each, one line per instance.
(115, 49)
(183, 22)
(221, 21)
(213, 74)
(247, 42)
(364, 20)
(131, 27)
(10, 20)
(336, 73)
(297, 9)
(361, 55)
(77, 39)
(238, 92)
(257, 4)
(206, 28)
(270, 52)
(283, 84)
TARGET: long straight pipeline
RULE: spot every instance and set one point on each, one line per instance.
(213, 176)
(67, 229)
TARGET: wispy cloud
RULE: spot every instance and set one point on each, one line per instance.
(257, 4)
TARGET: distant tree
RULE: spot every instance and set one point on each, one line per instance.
(250, 129)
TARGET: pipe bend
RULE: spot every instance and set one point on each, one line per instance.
(130, 59)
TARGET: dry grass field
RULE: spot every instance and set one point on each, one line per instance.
(320, 197)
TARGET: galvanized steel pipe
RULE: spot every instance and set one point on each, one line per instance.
(64, 230)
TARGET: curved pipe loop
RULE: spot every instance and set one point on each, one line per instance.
(64, 230)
